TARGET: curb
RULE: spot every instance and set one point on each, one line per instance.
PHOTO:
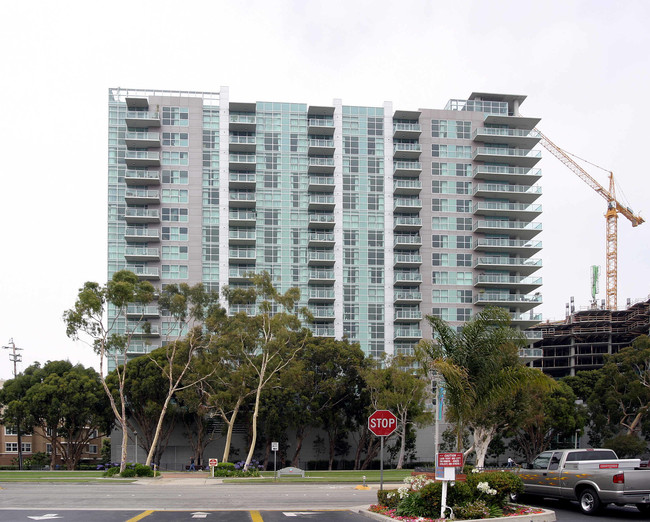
(546, 516)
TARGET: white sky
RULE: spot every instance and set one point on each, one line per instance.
(583, 65)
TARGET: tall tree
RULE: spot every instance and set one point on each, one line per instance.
(88, 321)
(269, 340)
(484, 376)
(394, 386)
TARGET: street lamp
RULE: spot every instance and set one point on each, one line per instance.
(135, 434)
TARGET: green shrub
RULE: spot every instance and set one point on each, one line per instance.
(412, 505)
(504, 482)
(143, 471)
(111, 472)
(388, 498)
(128, 473)
(432, 496)
(472, 510)
(459, 494)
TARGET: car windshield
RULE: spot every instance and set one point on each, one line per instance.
(541, 462)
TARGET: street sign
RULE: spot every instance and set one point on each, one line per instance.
(450, 460)
(213, 462)
(382, 423)
(275, 446)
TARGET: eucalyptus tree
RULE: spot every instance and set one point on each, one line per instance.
(485, 379)
(89, 321)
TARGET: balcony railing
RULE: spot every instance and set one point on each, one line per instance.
(507, 298)
(414, 333)
(325, 293)
(405, 277)
(407, 240)
(401, 295)
(408, 127)
(321, 122)
(505, 261)
(408, 315)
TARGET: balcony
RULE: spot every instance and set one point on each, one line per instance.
(520, 175)
(406, 130)
(320, 147)
(134, 254)
(241, 218)
(516, 122)
(141, 215)
(521, 284)
(407, 241)
(406, 297)
(142, 140)
(408, 187)
(407, 168)
(242, 162)
(242, 308)
(321, 331)
(526, 158)
(145, 273)
(514, 193)
(142, 119)
(142, 177)
(406, 223)
(137, 102)
(519, 211)
(242, 142)
(325, 221)
(142, 197)
(245, 236)
(321, 239)
(320, 126)
(534, 335)
(242, 255)
(242, 180)
(321, 184)
(407, 277)
(242, 122)
(321, 276)
(519, 301)
(142, 312)
(322, 312)
(521, 247)
(141, 235)
(407, 150)
(407, 333)
(242, 199)
(407, 205)
(522, 138)
(321, 258)
(320, 165)
(320, 294)
(521, 229)
(407, 260)
(407, 315)
(142, 332)
(526, 320)
(321, 202)
(240, 274)
(512, 264)
(142, 158)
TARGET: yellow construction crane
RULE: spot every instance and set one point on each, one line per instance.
(614, 208)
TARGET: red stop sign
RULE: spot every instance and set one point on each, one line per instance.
(382, 423)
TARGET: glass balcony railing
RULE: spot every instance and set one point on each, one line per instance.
(142, 252)
(321, 122)
(505, 151)
(508, 243)
(408, 202)
(242, 158)
(144, 213)
(407, 240)
(321, 218)
(509, 225)
(320, 256)
(242, 118)
(489, 107)
(315, 142)
(144, 176)
(507, 207)
(321, 162)
(242, 196)
(240, 177)
(504, 170)
(321, 199)
(242, 254)
(321, 293)
(242, 140)
(406, 165)
(507, 133)
(407, 296)
(321, 180)
(408, 332)
(321, 274)
(405, 258)
(407, 147)
(410, 315)
(508, 280)
(409, 127)
(507, 261)
(407, 221)
(407, 277)
(506, 298)
(414, 184)
(242, 234)
(321, 237)
(533, 190)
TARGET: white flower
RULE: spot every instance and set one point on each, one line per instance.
(475, 470)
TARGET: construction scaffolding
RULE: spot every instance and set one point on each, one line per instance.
(581, 341)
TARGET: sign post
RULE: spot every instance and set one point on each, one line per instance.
(446, 472)
(382, 423)
(213, 463)
(274, 448)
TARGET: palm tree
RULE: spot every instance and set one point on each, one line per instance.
(485, 380)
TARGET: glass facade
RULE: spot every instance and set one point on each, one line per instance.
(380, 217)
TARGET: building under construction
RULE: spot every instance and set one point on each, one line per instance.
(581, 341)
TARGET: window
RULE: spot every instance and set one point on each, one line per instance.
(175, 214)
(463, 259)
(463, 223)
(175, 158)
(11, 430)
(451, 129)
(175, 196)
(174, 252)
(351, 145)
(92, 449)
(11, 447)
(451, 151)
(175, 116)
(451, 169)
(174, 271)
(48, 448)
(174, 233)
(463, 241)
(440, 259)
(175, 139)
(177, 177)
(463, 314)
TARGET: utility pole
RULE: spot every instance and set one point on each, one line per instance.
(16, 358)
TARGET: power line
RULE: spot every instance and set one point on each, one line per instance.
(14, 356)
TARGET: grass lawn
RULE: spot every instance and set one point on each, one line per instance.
(50, 476)
(356, 477)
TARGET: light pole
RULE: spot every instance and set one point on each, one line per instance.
(135, 434)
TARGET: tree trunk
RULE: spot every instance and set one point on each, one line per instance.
(402, 445)
(482, 438)
(256, 410)
(231, 425)
(161, 419)
(300, 437)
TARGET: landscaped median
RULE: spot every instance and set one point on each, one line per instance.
(483, 495)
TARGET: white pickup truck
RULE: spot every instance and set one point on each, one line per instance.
(593, 477)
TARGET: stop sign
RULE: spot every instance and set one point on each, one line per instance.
(382, 423)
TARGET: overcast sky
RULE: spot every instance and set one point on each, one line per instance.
(583, 65)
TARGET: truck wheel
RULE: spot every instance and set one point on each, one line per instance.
(589, 501)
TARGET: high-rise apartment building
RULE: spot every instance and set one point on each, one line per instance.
(380, 216)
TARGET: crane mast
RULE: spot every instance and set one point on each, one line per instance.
(614, 208)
